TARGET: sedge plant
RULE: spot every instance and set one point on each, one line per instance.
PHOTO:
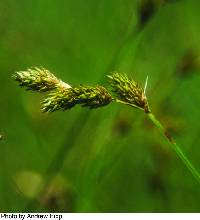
(129, 92)
(62, 96)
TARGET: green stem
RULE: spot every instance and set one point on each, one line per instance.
(175, 147)
(126, 103)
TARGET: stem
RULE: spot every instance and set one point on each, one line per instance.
(175, 147)
(126, 103)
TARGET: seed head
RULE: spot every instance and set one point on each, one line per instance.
(38, 79)
(87, 96)
(128, 91)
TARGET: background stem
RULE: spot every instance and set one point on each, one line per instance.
(175, 147)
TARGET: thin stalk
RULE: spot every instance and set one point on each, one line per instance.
(126, 103)
(175, 147)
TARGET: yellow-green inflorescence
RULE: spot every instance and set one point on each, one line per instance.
(128, 92)
(61, 95)
(87, 96)
(38, 79)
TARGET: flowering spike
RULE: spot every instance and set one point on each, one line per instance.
(128, 91)
(38, 79)
(87, 96)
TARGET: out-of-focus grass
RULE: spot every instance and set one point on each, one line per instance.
(110, 159)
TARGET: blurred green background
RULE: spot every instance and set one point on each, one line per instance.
(110, 159)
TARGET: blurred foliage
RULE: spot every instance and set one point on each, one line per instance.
(110, 159)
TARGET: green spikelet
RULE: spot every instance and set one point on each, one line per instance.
(128, 91)
(38, 79)
(87, 96)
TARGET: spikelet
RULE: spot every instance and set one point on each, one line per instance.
(38, 79)
(87, 96)
(128, 91)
